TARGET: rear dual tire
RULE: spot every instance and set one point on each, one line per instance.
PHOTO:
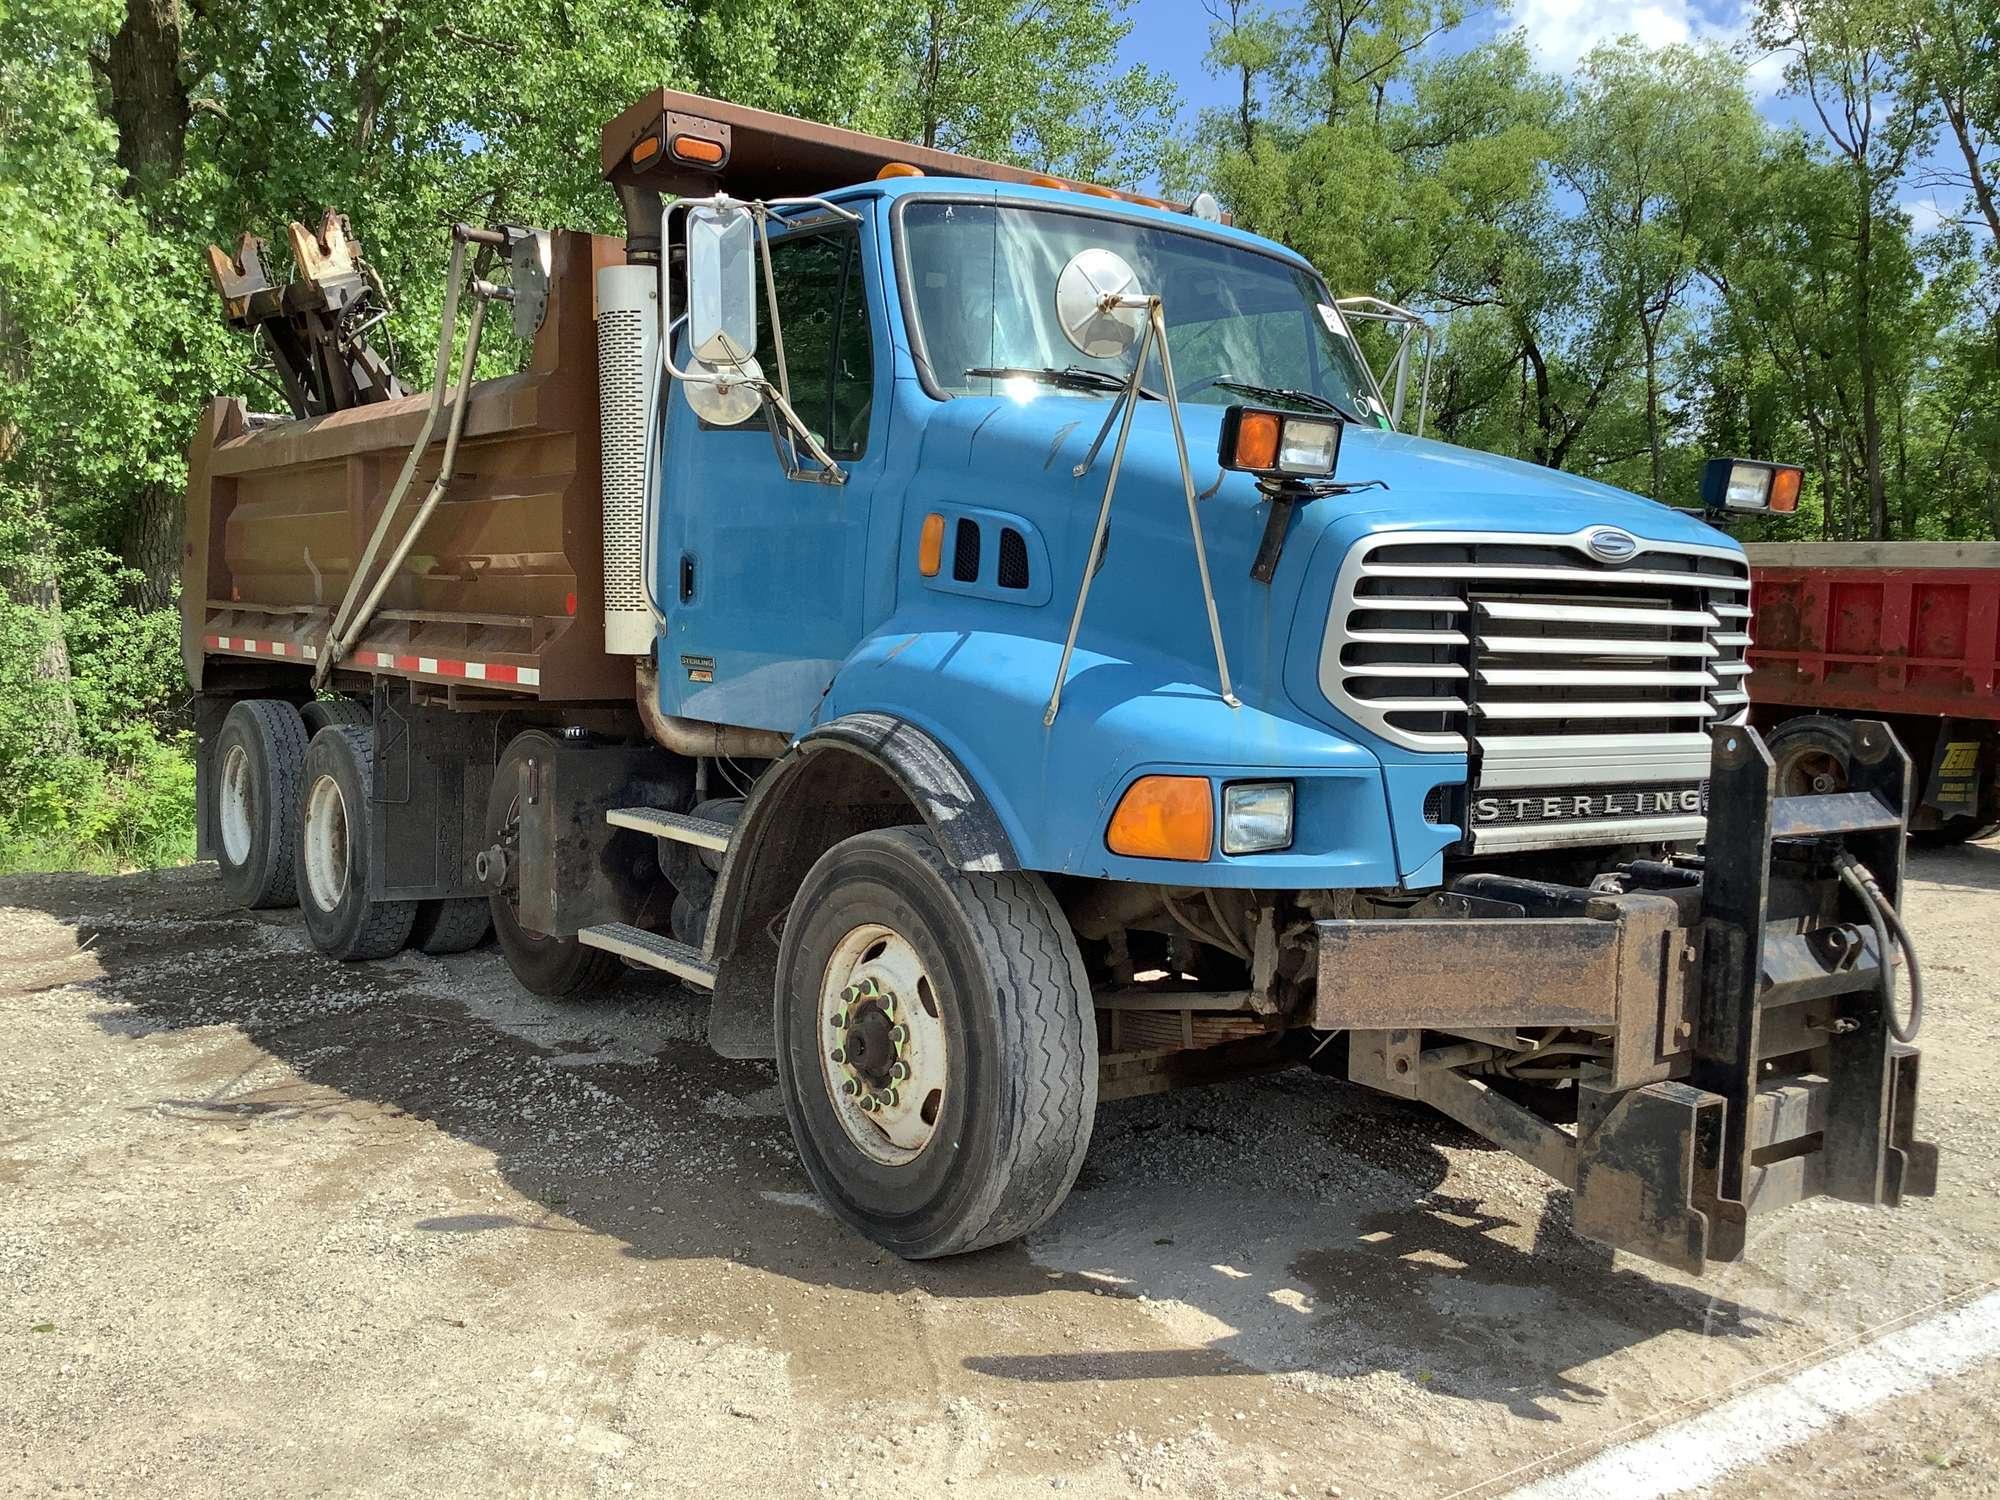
(259, 769)
(332, 852)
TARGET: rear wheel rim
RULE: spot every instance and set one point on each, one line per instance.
(236, 805)
(884, 1053)
(326, 844)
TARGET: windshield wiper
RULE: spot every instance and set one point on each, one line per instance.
(1068, 377)
(1310, 400)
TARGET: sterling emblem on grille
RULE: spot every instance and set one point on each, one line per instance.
(1613, 545)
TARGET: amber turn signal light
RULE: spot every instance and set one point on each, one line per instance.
(1256, 444)
(1164, 817)
(699, 150)
(930, 545)
(1785, 489)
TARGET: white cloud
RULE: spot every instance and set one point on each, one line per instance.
(1562, 32)
(1926, 213)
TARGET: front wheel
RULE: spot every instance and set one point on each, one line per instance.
(937, 1049)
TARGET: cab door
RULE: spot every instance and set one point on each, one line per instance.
(760, 573)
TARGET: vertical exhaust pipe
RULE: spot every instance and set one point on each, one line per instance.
(628, 381)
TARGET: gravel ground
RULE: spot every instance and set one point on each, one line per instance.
(269, 1224)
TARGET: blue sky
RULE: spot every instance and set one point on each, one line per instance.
(1172, 36)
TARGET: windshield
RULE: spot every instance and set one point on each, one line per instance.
(983, 281)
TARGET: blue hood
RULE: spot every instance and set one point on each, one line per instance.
(1427, 483)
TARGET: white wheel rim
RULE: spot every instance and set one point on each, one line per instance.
(236, 803)
(882, 1047)
(326, 846)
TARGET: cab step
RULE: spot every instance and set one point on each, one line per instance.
(703, 833)
(652, 950)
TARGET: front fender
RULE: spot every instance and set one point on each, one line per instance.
(854, 773)
(980, 696)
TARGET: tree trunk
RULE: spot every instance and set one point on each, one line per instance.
(152, 544)
(1982, 190)
(1871, 414)
(58, 730)
(1651, 335)
(148, 99)
(32, 582)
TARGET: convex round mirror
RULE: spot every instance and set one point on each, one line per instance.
(724, 405)
(1091, 278)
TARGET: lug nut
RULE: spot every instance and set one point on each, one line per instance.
(886, 1099)
(870, 1102)
(838, 1054)
(900, 1071)
(839, 1022)
(899, 1034)
(850, 1088)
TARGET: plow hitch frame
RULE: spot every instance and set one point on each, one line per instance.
(1727, 1011)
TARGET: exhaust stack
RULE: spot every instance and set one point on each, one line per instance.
(628, 366)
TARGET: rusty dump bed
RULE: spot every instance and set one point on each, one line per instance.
(503, 591)
(1877, 627)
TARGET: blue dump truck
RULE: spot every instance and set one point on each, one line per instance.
(988, 634)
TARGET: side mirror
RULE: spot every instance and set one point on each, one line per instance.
(721, 284)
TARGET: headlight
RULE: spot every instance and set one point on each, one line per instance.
(1280, 444)
(1256, 817)
(1750, 484)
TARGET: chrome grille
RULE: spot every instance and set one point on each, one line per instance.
(1527, 650)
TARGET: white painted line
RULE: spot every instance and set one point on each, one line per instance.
(1755, 1426)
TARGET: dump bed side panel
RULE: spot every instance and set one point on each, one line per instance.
(503, 591)
(1889, 627)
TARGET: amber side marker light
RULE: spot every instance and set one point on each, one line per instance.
(645, 151)
(898, 169)
(1164, 817)
(696, 149)
(930, 545)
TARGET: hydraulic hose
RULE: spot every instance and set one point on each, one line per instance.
(1882, 916)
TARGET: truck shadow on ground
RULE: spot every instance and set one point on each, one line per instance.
(1289, 1224)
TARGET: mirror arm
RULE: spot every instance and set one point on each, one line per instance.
(762, 215)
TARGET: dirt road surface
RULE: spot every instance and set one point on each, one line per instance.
(272, 1225)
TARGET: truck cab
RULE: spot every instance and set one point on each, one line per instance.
(1048, 675)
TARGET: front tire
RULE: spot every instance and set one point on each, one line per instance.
(343, 921)
(979, 1137)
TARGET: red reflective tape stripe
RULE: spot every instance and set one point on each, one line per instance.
(450, 668)
(497, 673)
(407, 663)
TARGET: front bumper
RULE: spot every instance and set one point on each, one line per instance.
(1731, 1008)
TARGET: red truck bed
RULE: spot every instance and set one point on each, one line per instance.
(1876, 628)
